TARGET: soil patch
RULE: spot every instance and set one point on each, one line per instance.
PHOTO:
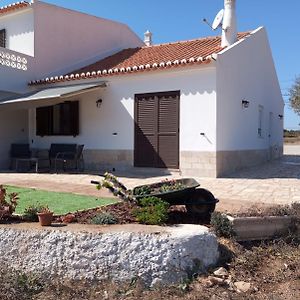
(123, 212)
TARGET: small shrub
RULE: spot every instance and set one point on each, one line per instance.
(142, 191)
(18, 285)
(29, 284)
(8, 203)
(45, 209)
(222, 226)
(152, 211)
(152, 201)
(31, 212)
(104, 219)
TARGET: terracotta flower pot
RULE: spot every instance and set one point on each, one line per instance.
(45, 219)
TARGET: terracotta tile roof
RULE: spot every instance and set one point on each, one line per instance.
(147, 58)
(13, 6)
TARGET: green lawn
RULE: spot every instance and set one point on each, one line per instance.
(60, 203)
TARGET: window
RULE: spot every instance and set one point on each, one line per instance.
(260, 121)
(3, 38)
(60, 119)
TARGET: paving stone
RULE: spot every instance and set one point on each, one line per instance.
(273, 183)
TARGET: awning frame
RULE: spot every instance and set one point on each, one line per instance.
(53, 93)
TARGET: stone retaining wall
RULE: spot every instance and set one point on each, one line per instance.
(163, 258)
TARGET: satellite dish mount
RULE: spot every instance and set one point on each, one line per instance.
(218, 20)
(217, 23)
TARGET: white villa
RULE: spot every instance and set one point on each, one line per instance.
(206, 107)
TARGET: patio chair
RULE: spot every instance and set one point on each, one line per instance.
(19, 151)
(68, 158)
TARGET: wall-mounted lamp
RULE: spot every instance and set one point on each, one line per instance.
(280, 117)
(205, 136)
(98, 103)
(245, 103)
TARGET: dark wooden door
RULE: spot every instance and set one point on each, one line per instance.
(157, 130)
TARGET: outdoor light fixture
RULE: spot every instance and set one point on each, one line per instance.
(280, 117)
(98, 103)
(245, 103)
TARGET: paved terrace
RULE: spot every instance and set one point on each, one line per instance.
(274, 183)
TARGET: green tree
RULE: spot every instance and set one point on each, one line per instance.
(294, 96)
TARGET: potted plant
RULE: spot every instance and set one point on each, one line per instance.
(45, 216)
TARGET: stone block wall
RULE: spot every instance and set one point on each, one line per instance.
(108, 159)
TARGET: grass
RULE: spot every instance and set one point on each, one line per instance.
(60, 203)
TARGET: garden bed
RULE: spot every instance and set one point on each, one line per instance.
(123, 213)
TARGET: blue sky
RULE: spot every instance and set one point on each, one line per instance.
(171, 20)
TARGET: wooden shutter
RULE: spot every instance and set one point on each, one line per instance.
(146, 131)
(68, 123)
(3, 38)
(69, 118)
(157, 130)
(44, 121)
(168, 130)
(74, 118)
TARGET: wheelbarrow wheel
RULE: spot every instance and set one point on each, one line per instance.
(202, 202)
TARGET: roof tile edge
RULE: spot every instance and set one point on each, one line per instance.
(117, 71)
(14, 6)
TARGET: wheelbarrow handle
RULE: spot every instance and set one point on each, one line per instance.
(95, 182)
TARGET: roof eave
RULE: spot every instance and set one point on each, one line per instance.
(129, 70)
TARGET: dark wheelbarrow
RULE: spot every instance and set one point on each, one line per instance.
(197, 200)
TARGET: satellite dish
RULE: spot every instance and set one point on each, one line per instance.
(218, 20)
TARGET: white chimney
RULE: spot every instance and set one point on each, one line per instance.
(148, 38)
(229, 32)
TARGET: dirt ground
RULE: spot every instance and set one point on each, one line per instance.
(292, 140)
(271, 271)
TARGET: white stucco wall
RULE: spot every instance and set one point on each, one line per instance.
(19, 28)
(116, 115)
(13, 129)
(13, 79)
(55, 40)
(246, 71)
(66, 39)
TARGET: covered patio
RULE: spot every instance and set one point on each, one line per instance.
(42, 119)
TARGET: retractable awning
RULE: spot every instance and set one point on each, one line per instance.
(49, 96)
